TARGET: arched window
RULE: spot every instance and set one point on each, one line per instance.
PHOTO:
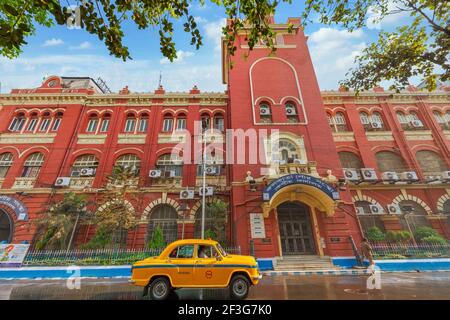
(6, 161)
(291, 112)
(130, 123)
(264, 113)
(389, 161)
(341, 124)
(364, 117)
(106, 120)
(57, 121)
(366, 218)
(413, 116)
(350, 160)
(85, 165)
(17, 122)
(143, 122)
(167, 123)
(181, 122)
(377, 118)
(165, 217)
(45, 122)
(430, 163)
(33, 165)
(413, 215)
(129, 161)
(32, 122)
(447, 207)
(286, 151)
(403, 119)
(206, 122)
(6, 227)
(170, 163)
(92, 123)
(219, 123)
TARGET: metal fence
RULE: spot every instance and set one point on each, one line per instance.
(95, 257)
(382, 250)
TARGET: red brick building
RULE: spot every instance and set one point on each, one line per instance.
(67, 135)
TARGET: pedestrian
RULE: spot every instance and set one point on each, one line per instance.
(367, 251)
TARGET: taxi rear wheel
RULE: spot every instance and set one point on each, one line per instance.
(160, 289)
(239, 287)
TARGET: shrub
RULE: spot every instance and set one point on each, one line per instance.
(375, 234)
(398, 236)
(157, 241)
(434, 240)
(424, 232)
(100, 240)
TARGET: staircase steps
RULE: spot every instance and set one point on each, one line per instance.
(304, 263)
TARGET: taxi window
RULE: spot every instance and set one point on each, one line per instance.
(186, 251)
(206, 251)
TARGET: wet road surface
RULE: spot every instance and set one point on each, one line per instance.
(428, 285)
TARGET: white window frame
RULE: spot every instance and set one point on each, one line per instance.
(181, 124)
(142, 124)
(168, 125)
(92, 125)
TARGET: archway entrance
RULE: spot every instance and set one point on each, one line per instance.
(295, 229)
(5, 227)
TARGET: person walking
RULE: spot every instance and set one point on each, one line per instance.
(367, 251)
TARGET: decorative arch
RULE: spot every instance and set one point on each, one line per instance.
(198, 205)
(95, 152)
(425, 147)
(262, 98)
(105, 205)
(155, 203)
(168, 111)
(287, 98)
(338, 109)
(181, 110)
(31, 150)
(120, 152)
(441, 201)
(162, 151)
(204, 110)
(14, 150)
(366, 198)
(348, 149)
(417, 200)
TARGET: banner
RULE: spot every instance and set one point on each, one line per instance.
(12, 255)
(16, 205)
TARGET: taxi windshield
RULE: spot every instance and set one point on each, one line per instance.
(221, 250)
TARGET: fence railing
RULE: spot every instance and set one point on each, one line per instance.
(382, 250)
(95, 257)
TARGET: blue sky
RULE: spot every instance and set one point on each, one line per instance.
(61, 51)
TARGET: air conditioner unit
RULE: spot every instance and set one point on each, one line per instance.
(359, 210)
(376, 125)
(445, 176)
(351, 175)
(210, 170)
(417, 124)
(300, 161)
(209, 191)
(369, 174)
(390, 176)
(264, 111)
(291, 111)
(393, 209)
(187, 194)
(86, 172)
(408, 176)
(154, 173)
(169, 174)
(375, 209)
(62, 182)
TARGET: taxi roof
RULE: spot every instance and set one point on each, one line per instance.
(195, 241)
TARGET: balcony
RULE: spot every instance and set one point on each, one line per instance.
(24, 183)
(220, 181)
(309, 168)
(130, 183)
(81, 182)
(175, 182)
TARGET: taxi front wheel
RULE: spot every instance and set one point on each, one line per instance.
(239, 287)
(160, 289)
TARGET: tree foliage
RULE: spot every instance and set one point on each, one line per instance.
(216, 211)
(60, 219)
(421, 48)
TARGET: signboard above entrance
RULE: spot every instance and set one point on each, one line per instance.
(16, 205)
(291, 179)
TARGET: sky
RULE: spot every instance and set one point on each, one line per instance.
(69, 52)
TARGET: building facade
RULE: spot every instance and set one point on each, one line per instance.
(302, 171)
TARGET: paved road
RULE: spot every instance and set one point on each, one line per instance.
(394, 286)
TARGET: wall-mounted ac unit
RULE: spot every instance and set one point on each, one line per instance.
(290, 111)
(376, 125)
(359, 210)
(351, 175)
(87, 172)
(369, 174)
(417, 124)
(210, 170)
(375, 209)
(390, 176)
(264, 111)
(393, 209)
(154, 173)
(62, 182)
(187, 194)
(409, 176)
(209, 191)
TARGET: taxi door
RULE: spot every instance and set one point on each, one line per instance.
(207, 270)
(181, 262)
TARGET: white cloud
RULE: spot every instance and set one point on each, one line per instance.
(181, 55)
(394, 19)
(81, 46)
(139, 75)
(333, 52)
(213, 31)
(53, 42)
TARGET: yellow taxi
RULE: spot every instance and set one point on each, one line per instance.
(195, 264)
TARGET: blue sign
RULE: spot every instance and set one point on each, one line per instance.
(16, 205)
(290, 179)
